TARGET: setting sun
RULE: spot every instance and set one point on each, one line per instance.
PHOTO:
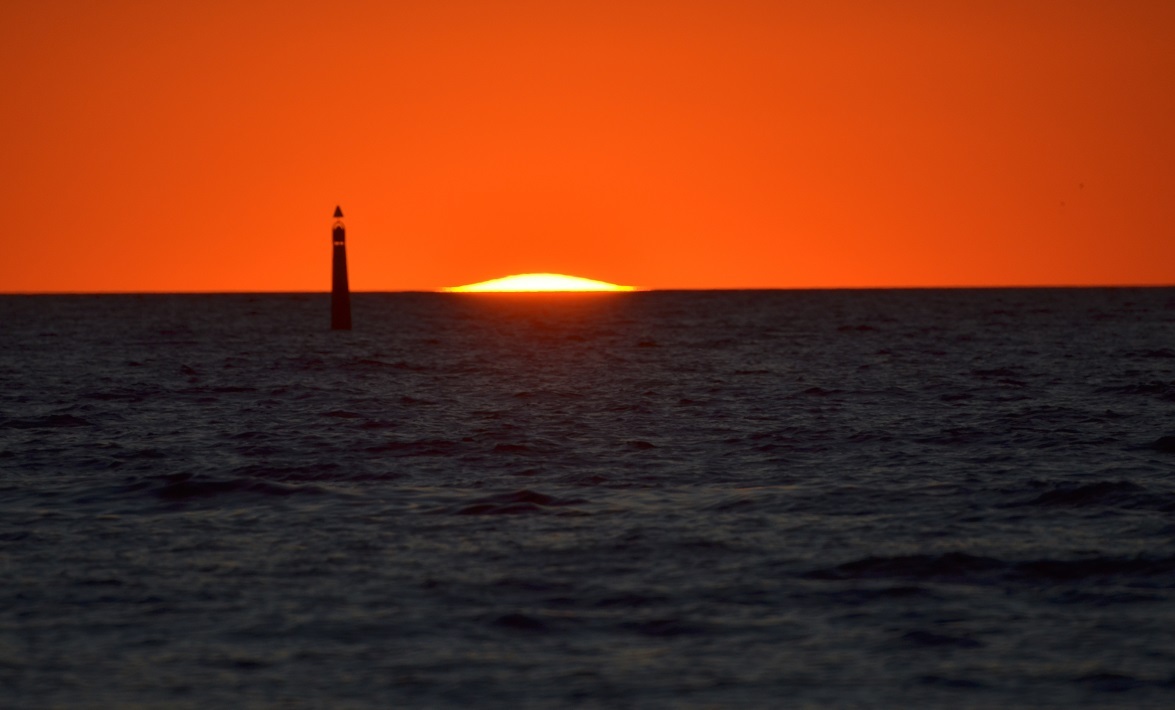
(537, 282)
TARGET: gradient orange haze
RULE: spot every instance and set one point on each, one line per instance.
(201, 146)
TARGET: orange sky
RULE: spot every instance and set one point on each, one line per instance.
(663, 144)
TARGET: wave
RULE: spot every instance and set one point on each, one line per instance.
(181, 487)
(421, 447)
(961, 567)
(1101, 493)
(1164, 444)
(513, 503)
(52, 421)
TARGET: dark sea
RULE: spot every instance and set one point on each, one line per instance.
(758, 499)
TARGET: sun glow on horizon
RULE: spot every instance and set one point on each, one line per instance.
(532, 283)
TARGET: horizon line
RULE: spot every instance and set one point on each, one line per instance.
(443, 291)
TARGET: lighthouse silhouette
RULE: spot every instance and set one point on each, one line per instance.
(340, 290)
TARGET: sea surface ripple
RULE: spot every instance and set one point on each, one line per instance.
(835, 499)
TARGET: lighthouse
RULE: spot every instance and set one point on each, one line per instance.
(340, 290)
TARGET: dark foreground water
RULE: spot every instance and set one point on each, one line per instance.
(653, 500)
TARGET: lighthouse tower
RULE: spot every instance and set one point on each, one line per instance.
(340, 290)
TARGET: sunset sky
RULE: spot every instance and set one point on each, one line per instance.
(202, 146)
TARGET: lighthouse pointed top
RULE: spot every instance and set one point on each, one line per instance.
(338, 212)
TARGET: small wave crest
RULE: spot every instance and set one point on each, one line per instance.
(513, 503)
(52, 421)
(1100, 493)
(182, 487)
(960, 567)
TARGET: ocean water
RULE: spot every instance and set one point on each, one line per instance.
(927, 498)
